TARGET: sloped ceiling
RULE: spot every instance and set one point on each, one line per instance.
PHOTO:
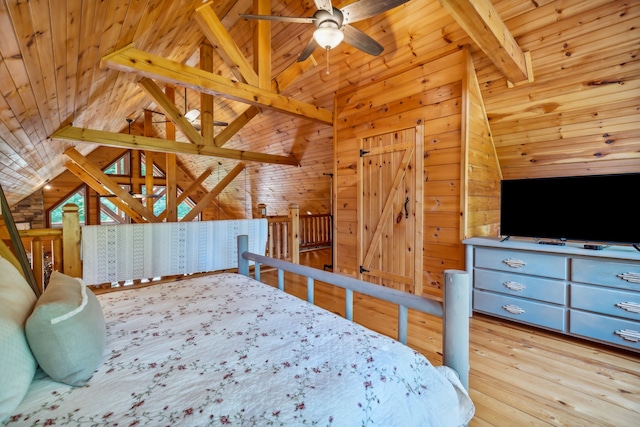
(580, 115)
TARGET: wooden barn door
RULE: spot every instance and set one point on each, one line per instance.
(390, 209)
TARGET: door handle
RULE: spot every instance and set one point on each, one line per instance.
(406, 210)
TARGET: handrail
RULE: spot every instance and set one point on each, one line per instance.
(454, 311)
(41, 232)
(289, 234)
(350, 283)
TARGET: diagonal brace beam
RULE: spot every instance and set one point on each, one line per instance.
(155, 144)
(479, 19)
(130, 59)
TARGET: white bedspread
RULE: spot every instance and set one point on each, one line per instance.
(227, 350)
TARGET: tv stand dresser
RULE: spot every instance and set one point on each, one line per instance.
(593, 294)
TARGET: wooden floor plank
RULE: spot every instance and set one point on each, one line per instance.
(520, 375)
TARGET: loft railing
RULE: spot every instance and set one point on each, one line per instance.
(58, 249)
(312, 232)
(54, 249)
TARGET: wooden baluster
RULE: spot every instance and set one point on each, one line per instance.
(294, 232)
(271, 239)
(283, 240)
(71, 241)
(56, 254)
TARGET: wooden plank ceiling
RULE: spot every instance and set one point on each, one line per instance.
(578, 115)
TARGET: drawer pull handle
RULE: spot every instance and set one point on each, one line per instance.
(514, 286)
(514, 262)
(628, 335)
(632, 307)
(513, 309)
(630, 277)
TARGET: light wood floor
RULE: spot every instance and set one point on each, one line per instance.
(519, 375)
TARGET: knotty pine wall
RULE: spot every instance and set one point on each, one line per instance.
(481, 166)
(461, 173)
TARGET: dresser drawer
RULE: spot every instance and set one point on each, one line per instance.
(548, 316)
(604, 328)
(538, 288)
(606, 301)
(533, 263)
(618, 274)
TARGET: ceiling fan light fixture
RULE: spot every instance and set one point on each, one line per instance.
(191, 115)
(328, 35)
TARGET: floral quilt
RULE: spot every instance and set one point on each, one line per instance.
(228, 350)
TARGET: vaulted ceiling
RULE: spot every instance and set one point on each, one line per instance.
(578, 115)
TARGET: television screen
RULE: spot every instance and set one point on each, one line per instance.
(597, 208)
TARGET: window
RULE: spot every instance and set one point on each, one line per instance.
(160, 204)
(143, 168)
(120, 166)
(78, 199)
(112, 214)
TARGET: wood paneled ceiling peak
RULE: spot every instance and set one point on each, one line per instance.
(559, 124)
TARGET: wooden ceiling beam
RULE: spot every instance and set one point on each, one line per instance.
(262, 44)
(164, 146)
(170, 167)
(144, 64)
(290, 74)
(234, 127)
(206, 100)
(479, 19)
(220, 38)
(104, 179)
(148, 159)
(278, 84)
(170, 110)
(192, 188)
(211, 195)
(102, 191)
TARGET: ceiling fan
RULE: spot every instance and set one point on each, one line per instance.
(332, 24)
(193, 117)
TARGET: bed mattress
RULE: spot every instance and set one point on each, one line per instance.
(228, 350)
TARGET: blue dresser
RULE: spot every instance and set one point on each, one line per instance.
(593, 294)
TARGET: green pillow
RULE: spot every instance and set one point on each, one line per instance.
(17, 364)
(66, 331)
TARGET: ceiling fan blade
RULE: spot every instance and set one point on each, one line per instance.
(295, 19)
(363, 9)
(197, 124)
(146, 196)
(308, 50)
(360, 40)
(324, 5)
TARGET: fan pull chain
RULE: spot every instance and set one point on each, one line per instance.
(327, 60)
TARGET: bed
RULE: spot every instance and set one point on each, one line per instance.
(222, 349)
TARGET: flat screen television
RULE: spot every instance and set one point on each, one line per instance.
(596, 208)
